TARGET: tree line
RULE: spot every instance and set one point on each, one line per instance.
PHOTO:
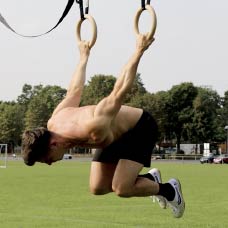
(185, 113)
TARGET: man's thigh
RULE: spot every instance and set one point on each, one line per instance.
(101, 176)
(126, 174)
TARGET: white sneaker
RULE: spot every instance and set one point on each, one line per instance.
(178, 204)
(157, 178)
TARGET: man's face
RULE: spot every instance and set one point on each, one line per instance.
(53, 156)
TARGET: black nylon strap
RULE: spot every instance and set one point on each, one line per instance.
(80, 2)
(143, 4)
(65, 12)
(87, 7)
(81, 8)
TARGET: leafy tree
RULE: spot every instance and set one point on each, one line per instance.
(11, 122)
(222, 119)
(224, 112)
(26, 95)
(37, 114)
(101, 86)
(144, 101)
(42, 104)
(160, 114)
(206, 124)
(178, 109)
(98, 87)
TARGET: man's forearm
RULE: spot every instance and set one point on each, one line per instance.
(125, 81)
(79, 76)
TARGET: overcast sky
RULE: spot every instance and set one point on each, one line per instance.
(190, 46)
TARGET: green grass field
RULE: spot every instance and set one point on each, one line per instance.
(57, 196)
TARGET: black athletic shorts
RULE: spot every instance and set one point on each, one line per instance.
(136, 144)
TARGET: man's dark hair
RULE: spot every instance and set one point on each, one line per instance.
(35, 145)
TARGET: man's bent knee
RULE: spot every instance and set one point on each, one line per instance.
(99, 191)
(122, 191)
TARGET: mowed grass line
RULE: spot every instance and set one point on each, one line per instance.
(57, 196)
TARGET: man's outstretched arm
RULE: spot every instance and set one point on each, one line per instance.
(76, 85)
(110, 105)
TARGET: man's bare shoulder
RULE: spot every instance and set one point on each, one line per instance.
(72, 114)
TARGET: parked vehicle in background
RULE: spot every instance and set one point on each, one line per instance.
(207, 159)
(223, 158)
(67, 156)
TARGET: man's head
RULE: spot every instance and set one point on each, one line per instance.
(35, 145)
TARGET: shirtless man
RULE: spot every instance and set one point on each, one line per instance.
(123, 137)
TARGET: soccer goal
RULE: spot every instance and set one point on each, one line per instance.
(3, 155)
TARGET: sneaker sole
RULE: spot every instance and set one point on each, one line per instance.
(182, 199)
(163, 206)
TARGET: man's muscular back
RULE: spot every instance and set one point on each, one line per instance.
(81, 127)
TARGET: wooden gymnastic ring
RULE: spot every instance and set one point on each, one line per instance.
(94, 30)
(154, 21)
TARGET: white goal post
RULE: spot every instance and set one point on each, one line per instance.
(3, 155)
